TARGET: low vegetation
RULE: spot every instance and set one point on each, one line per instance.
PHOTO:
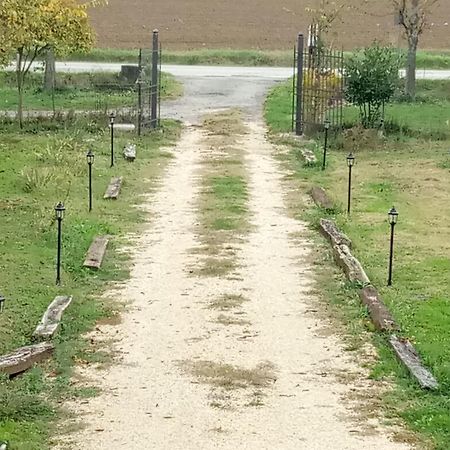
(82, 91)
(275, 58)
(408, 167)
(38, 170)
(223, 199)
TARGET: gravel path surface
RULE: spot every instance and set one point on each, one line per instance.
(276, 377)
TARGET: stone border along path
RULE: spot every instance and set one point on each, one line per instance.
(277, 377)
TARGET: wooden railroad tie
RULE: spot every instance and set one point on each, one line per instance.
(96, 252)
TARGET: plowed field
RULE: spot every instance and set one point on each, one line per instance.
(259, 24)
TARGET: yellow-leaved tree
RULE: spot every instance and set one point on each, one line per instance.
(28, 28)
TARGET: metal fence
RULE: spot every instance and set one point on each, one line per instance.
(318, 87)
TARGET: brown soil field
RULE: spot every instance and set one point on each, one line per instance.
(252, 24)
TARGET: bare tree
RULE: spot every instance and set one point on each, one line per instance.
(413, 15)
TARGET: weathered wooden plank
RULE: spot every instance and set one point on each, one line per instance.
(129, 152)
(308, 156)
(380, 315)
(321, 198)
(409, 356)
(330, 230)
(114, 187)
(96, 252)
(52, 317)
(24, 358)
(124, 127)
(351, 266)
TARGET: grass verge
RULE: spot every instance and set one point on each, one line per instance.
(413, 174)
(426, 59)
(37, 171)
(427, 118)
(81, 91)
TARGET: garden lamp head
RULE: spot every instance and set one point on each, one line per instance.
(350, 160)
(59, 210)
(2, 303)
(393, 216)
(90, 157)
(112, 118)
(327, 124)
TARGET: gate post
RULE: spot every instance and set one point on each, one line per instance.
(299, 104)
(155, 81)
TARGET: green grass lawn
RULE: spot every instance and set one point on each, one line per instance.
(412, 173)
(37, 171)
(426, 59)
(84, 91)
(429, 117)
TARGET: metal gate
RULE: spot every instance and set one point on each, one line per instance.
(149, 86)
(318, 87)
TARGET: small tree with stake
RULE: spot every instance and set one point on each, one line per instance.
(372, 76)
(29, 28)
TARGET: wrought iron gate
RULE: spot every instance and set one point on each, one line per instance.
(318, 87)
(149, 86)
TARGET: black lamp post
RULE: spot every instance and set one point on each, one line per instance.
(90, 161)
(393, 218)
(59, 211)
(350, 164)
(112, 118)
(325, 145)
(2, 303)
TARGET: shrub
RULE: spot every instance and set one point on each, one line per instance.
(372, 77)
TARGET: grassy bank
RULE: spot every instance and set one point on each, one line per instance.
(38, 170)
(82, 91)
(426, 59)
(427, 118)
(412, 171)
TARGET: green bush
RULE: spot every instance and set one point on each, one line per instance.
(372, 77)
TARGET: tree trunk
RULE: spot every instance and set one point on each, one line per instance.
(19, 76)
(50, 71)
(410, 86)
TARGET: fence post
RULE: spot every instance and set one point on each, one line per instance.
(139, 118)
(155, 80)
(299, 106)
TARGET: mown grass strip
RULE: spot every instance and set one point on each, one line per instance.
(78, 91)
(38, 170)
(413, 174)
(224, 194)
(426, 59)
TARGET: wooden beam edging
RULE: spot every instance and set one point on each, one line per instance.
(48, 326)
(96, 252)
(24, 358)
(379, 313)
(409, 356)
(350, 265)
(114, 187)
(321, 198)
(330, 230)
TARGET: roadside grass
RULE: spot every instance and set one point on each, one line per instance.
(426, 59)
(427, 118)
(224, 193)
(38, 170)
(81, 91)
(413, 174)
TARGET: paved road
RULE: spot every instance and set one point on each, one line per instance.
(270, 73)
